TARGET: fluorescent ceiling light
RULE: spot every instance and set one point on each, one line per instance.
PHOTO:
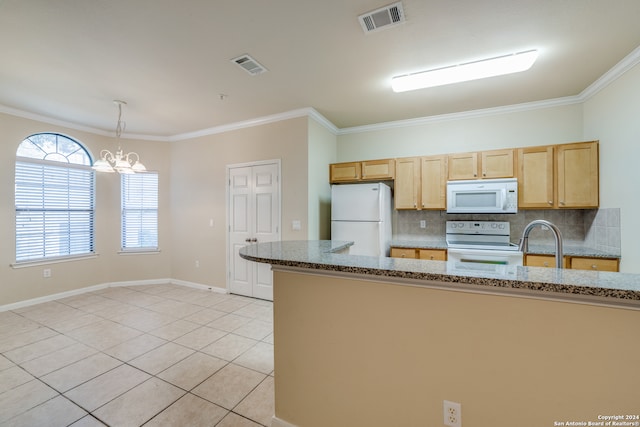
(501, 65)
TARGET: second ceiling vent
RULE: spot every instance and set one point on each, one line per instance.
(249, 64)
(382, 18)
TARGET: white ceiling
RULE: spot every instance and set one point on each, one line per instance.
(170, 60)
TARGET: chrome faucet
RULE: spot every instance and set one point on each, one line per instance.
(524, 241)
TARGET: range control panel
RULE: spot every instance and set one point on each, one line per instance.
(478, 227)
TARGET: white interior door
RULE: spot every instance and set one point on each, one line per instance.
(254, 217)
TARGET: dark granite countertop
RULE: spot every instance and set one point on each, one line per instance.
(570, 249)
(581, 285)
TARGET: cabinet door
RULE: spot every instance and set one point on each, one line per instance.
(535, 177)
(433, 254)
(344, 172)
(463, 166)
(378, 169)
(497, 164)
(578, 175)
(595, 264)
(542, 261)
(407, 184)
(403, 253)
(434, 182)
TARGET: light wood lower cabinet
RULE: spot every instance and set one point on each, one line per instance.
(574, 262)
(542, 261)
(429, 254)
(597, 264)
(433, 254)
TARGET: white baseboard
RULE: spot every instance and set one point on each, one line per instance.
(52, 297)
(66, 294)
(199, 286)
(277, 422)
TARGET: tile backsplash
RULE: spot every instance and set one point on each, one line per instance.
(595, 228)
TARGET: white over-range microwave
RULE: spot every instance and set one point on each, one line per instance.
(483, 196)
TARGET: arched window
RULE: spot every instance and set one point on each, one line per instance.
(54, 198)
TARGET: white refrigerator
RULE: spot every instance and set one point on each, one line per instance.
(361, 213)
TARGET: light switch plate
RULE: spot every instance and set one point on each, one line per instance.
(296, 225)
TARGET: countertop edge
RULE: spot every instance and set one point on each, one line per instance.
(629, 298)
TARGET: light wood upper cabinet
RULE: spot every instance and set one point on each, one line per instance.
(578, 175)
(463, 166)
(378, 169)
(407, 183)
(497, 164)
(344, 172)
(535, 177)
(560, 176)
(481, 165)
(369, 170)
(421, 183)
(433, 173)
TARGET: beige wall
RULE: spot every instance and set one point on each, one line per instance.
(199, 192)
(322, 152)
(543, 126)
(19, 284)
(357, 353)
(613, 116)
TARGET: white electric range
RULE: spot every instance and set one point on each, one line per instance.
(481, 242)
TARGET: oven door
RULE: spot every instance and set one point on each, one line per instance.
(485, 256)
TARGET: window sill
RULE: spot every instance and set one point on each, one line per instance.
(139, 251)
(35, 263)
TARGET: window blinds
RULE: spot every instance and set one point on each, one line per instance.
(139, 211)
(54, 211)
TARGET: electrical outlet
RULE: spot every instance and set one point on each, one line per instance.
(46, 273)
(452, 414)
(423, 223)
(197, 264)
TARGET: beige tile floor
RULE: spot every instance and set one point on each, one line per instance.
(153, 355)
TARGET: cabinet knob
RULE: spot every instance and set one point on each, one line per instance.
(594, 267)
(415, 205)
(475, 174)
(431, 257)
(546, 264)
(484, 174)
(550, 202)
(403, 255)
(562, 203)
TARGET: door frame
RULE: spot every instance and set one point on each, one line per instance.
(278, 163)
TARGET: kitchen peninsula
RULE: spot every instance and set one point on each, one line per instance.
(383, 341)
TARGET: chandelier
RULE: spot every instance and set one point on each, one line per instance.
(120, 162)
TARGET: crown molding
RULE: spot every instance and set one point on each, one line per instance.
(293, 114)
(527, 106)
(627, 63)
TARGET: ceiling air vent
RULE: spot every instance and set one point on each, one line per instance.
(382, 18)
(249, 64)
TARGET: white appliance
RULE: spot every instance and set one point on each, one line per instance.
(481, 242)
(483, 196)
(361, 213)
